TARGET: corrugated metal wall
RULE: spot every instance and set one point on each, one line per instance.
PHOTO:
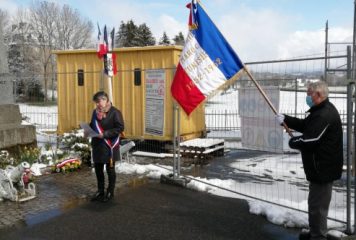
(75, 102)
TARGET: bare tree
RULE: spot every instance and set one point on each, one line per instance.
(57, 28)
(4, 19)
(43, 16)
(73, 32)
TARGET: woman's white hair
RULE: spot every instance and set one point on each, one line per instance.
(321, 87)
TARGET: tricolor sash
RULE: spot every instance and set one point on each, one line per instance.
(111, 143)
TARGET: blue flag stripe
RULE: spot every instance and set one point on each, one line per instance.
(215, 45)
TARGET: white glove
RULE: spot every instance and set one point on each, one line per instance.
(279, 118)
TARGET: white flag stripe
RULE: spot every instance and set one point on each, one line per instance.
(200, 68)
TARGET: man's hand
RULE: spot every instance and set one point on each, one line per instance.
(279, 118)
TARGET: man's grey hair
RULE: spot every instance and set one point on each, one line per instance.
(321, 87)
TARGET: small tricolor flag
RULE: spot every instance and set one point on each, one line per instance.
(105, 50)
(206, 62)
(101, 45)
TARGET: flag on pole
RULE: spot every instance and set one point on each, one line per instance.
(105, 51)
(110, 64)
(206, 62)
(110, 58)
(112, 37)
(101, 46)
(112, 40)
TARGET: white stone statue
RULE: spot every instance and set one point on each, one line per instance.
(15, 185)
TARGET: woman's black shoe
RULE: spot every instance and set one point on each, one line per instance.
(108, 197)
(98, 196)
(304, 236)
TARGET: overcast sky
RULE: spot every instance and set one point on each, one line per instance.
(256, 29)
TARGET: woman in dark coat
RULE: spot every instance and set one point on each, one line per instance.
(108, 122)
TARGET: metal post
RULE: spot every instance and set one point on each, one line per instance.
(225, 129)
(350, 87)
(353, 161)
(175, 148)
(178, 142)
(296, 97)
(53, 76)
(348, 63)
(353, 75)
(349, 148)
(326, 52)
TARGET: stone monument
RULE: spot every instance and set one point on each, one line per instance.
(12, 132)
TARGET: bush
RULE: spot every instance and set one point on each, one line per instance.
(75, 142)
(29, 154)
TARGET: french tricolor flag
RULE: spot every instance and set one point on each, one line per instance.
(206, 63)
(102, 47)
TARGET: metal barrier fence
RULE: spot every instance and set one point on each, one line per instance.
(45, 118)
(275, 175)
(271, 175)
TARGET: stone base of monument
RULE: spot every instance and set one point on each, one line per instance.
(12, 132)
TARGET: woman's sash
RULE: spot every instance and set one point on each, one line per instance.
(111, 143)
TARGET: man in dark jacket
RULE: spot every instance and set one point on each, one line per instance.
(108, 122)
(321, 148)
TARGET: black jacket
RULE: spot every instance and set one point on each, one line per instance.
(320, 143)
(113, 125)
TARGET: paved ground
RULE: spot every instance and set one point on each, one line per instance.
(141, 210)
(55, 191)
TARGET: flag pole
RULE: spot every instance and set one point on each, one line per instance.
(266, 98)
(110, 89)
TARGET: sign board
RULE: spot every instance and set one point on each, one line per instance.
(259, 129)
(155, 100)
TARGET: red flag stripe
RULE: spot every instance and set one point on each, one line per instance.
(185, 91)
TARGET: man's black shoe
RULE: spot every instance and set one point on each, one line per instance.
(98, 196)
(108, 197)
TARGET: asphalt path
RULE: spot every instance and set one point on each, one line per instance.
(155, 211)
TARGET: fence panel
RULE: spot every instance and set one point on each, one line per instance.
(276, 178)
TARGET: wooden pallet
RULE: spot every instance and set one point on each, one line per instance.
(202, 149)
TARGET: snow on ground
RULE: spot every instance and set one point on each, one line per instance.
(150, 170)
(36, 168)
(274, 213)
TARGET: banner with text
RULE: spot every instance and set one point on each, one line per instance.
(155, 96)
(259, 129)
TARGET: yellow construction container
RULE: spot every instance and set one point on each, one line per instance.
(141, 90)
